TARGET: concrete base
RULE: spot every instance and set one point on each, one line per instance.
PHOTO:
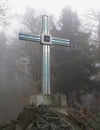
(48, 100)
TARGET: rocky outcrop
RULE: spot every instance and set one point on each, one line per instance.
(46, 118)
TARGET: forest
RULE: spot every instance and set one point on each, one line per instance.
(75, 70)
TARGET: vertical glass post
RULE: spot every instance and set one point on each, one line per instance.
(46, 59)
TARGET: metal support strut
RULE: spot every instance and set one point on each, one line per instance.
(45, 59)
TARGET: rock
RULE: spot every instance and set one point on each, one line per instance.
(8, 126)
(47, 118)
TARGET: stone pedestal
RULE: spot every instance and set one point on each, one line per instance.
(48, 100)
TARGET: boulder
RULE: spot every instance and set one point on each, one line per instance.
(48, 118)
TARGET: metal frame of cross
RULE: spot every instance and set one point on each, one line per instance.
(46, 40)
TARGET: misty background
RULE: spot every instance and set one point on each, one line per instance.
(75, 70)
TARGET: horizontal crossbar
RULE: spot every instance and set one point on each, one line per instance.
(37, 38)
(60, 41)
(26, 37)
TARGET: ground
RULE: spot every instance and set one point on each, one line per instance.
(47, 118)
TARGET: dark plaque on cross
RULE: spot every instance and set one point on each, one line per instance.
(46, 41)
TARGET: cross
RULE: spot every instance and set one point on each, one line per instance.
(46, 41)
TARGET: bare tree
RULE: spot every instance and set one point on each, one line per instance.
(94, 16)
(3, 13)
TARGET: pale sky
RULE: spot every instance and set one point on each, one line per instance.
(49, 7)
(54, 6)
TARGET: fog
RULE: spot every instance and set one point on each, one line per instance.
(71, 67)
